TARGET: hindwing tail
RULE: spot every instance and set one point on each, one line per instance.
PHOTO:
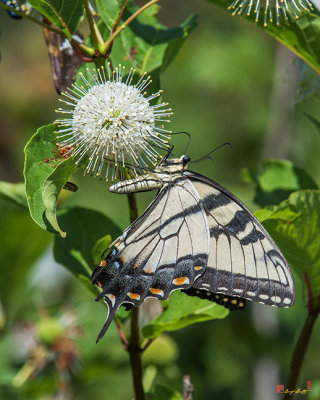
(166, 249)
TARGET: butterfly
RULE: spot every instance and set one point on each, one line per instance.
(195, 236)
(64, 61)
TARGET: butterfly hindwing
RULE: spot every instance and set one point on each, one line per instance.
(243, 259)
(163, 250)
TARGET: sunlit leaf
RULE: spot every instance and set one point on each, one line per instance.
(182, 311)
(64, 14)
(277, 181)
(109, 11)
(99, 247)
(294, 225)
(148, 46)
(45, 175)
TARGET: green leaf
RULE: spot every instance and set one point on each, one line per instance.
(64, 14)
(294, 225)
(146, 45)
(51, 189)
(314, 120)
(183, 310)
(22, 242)
(45, 178)
(277, 181)
(309, 84)
(99, 247)
(109, 11)
(160, 392)
(85, 230)
(15, 192)
(300, 36)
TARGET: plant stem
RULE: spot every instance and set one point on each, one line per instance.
(95, 33)
(88, 51)
(103, 49)
(99, 62)
(187, 388)
(32, 19)
(299, 353)
(132, 206)
(301, 347)
(108, 52)
(135, 355)
(134, 341)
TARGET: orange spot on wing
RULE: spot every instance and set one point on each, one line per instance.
(148, 271)
(111, 296)
(136, 265)
(122, 258)
(180, 281)
(99, 283)
(155, 291)
(134, 296)
(103, 263)
(197, 268)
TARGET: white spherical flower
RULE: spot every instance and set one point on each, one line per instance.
(112, 123)
(271, 11)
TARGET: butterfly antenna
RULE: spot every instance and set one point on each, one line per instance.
(172, 146)
(212, 151)
(189, 139)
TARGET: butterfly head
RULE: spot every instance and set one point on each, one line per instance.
(174, 164)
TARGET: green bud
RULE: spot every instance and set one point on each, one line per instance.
(162, 351)
(49, 330)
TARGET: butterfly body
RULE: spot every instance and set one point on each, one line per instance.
(170, 172)
(195, 236)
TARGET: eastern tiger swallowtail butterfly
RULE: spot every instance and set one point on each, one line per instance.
(64, 61)
(195, 236)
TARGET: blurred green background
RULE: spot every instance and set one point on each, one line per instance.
(229, 83)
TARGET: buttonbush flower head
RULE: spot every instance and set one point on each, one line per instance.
(271, 11)
(112, 123)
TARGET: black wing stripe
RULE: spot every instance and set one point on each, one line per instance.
(147, 261)
(256, 269)
(214, 201)
(191, 210)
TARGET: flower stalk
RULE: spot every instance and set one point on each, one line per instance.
(133, 347)
(303, 340)
(104, 48)
(95, 33)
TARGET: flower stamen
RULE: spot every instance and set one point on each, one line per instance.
(112, 121)
(271, 10)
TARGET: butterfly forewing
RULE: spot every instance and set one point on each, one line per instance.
(163, 250)
(243, 259)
